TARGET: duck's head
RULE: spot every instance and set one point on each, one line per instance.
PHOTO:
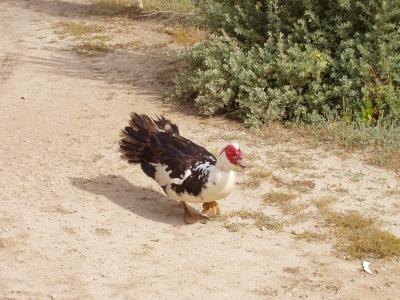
(231, 158)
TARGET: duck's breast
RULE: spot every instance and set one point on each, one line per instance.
(219, 185)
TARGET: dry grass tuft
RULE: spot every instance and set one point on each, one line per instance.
(342, 190)
(310, 236)
(255, 177)
(275, 133)
(266, 291)
(371, 241)
(350, 220)
(78, 29)
(92, 48)
(380, 146)
(261, 221)
(112, 7)
(278, 198)
(174, 12)
(303, 185)
(129, 45)
(298, 185)
(285, 202)
(385, 158)
(186, 36)
(166, 76)
(173, 5)
(102, 38)
(234, 227)
(360, 236)
(323, 203)
(288, 163)
(293, 270)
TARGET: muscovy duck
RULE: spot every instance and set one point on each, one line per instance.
(185, 171)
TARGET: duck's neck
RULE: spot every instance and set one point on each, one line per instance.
(223, 163)
(222, 179)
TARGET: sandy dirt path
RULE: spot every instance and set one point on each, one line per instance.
(79, 223)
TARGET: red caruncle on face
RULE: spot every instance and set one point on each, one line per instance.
(233, 154)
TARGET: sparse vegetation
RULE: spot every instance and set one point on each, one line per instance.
(76, 29)
(289, 163)
(385, 158)
(293, 270)
(352, 137)
(186, 36)
(302, 185)
(359, 236)
(351, 220)
(341, 190)
(92, 48)
(261, 221)
(102, 37)
(278, 198)
(112, 7)
(284, 201)
(172, 6)
(323, 203)
(266, 291)
(99, 46)
(299, 185)
(173, 12)
(234, 227)
(381, 144)
(92, 43)
(371, 241)
(129, 45)
(255, 177)
(311, 236)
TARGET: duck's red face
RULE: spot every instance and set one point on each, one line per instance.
(235, 155)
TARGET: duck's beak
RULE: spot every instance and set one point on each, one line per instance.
(242, 163)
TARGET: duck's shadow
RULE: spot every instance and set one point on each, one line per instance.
(141, 201)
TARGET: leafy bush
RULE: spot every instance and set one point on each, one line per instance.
(297, 60)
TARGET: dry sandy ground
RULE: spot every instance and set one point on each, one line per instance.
(79, 223)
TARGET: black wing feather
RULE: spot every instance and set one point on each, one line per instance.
(181, 154)
(148, 141)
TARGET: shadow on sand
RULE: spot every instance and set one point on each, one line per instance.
(144, 202)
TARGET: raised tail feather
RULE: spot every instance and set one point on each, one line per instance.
(136, 136)
(135, 143)
(167, 125)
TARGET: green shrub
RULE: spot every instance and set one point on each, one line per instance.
(307, 61)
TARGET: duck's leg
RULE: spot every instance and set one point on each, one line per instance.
(192, 217)
(211, 209)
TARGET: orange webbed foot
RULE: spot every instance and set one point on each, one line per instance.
(211, 209)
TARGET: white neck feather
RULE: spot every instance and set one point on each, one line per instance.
(221, 181)
(223, 163)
